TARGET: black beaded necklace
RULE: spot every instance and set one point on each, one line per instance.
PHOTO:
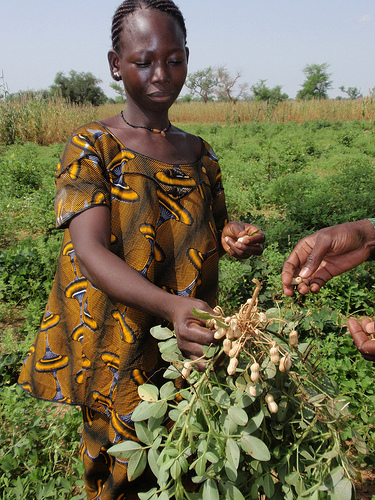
(153, 130)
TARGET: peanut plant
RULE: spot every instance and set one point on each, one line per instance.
(260, 422)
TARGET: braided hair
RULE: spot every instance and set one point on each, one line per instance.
(130, 6)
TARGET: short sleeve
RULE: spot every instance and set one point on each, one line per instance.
(81, 178)
(219, 208)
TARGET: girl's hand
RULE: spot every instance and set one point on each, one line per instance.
(364, 337)
(190, 331)
(241, 240)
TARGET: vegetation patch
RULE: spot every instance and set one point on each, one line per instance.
(288, 178)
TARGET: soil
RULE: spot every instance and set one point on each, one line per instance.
(366, 490)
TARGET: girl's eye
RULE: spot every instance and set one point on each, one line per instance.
(175, 63)
(141, 64)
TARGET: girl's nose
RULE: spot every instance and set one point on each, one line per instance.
(160, 73)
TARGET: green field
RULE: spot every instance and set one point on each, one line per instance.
(290, 179)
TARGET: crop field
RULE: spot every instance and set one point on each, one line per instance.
(291, 170)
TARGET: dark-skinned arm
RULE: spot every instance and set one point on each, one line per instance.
(328, 253)
(90, 234)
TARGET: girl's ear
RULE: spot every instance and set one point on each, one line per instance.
(187, 54)
(114, 64)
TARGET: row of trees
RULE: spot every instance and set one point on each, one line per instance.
(217, 83)
(207, 84)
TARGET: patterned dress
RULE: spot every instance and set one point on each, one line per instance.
(165, 219)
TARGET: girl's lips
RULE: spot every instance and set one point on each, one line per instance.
(160, 96)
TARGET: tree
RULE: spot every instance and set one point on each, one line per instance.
(119, 89)
(353, 92)
(263, 93)
(79, 88)
(228, 87)
(317, 82)
(202, 83)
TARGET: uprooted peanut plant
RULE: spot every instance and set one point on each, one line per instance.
(260, 422)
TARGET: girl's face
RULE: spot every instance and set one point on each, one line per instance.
(153, 59)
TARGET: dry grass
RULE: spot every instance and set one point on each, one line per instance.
(47, 121)
(249, 111)
(44, 121)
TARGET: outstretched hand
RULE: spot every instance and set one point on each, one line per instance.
(327, 253)
(241, 240)
(364, 337)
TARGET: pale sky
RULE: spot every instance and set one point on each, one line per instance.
(271, 40)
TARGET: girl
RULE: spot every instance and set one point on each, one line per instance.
(145, 221)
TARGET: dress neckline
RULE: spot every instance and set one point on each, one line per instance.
(150, 158)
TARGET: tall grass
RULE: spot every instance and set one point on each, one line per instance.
(286, 111)
(32, 118)
(50, 120)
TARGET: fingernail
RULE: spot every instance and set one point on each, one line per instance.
(370, 328)
(305, 271)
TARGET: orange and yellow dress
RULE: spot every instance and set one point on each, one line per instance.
(165, 221)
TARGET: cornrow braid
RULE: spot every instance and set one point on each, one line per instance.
(130, 6)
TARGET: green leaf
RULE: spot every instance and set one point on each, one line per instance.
(200, 465)
(198, 313)
(231, 492)
(209, 351)
(168, 391)
(124, 449)
(170, 348)
(143, 433)
(148, 392)
(318, 398)
(255, 448)
(268, 485)
(159, 409)
(161, 332)
(142, 412)
(137, 464)
(359, 443)
(172, 373)
(273, 312)
(171, 354)
(210, 490)
(148, 494)
(233, 452)
(174, 414)
(175, 469)
(212, 457)
(241, 383)
(152, 458)
(230, 471)
(343, 490)
(292, 478)
(155, 425)
(220, 396)
(254, 423)
(184, 464)
(334, 477)
(238, 415)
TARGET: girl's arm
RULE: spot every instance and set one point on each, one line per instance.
(90, 234)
